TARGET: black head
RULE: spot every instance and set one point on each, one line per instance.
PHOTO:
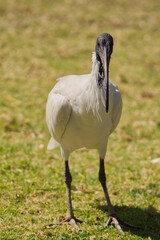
(104, 49)
(104, 40)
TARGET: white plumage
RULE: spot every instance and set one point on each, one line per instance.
(82, 111)
(76, 115)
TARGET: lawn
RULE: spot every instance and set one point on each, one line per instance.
(42, 40)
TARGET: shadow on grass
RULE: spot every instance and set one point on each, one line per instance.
(148, 219)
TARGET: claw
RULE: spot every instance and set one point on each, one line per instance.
(117, 226)
(53, 224)
(116, 221)
(113, 220)
(72, 221)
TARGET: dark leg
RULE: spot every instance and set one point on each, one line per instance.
(113, 218)
(68, 180)
(70, 216)
(102, 179)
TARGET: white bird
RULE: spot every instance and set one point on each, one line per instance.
(82, 111)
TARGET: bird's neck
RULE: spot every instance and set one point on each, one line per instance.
(95, 73)
(95, 66)
(94, 81)
(95, 96)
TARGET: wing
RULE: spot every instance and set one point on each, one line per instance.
(58, 112)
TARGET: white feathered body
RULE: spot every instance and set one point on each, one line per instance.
(76, 115)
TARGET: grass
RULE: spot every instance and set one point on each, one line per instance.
(40, 41)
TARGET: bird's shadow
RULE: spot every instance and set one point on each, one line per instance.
(148, 219)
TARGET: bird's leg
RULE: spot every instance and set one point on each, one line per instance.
(113, 218)
(68, 180)
(102, 179)
(71, 219)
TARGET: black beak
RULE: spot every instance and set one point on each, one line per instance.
(105, 59)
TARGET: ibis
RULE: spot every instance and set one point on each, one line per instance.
(82, 111)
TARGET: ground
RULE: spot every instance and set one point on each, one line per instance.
(41, 41)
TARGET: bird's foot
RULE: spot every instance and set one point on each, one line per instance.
(116, 221)
(71, 220)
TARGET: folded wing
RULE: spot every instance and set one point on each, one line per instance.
(58, 112)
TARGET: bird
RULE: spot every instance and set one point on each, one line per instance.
(83, 111)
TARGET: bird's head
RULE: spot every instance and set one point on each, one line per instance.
(104, 48)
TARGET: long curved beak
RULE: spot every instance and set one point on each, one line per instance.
(105, 58)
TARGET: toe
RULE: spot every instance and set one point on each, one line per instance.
(73, 223)
(114, 221)
(117, 226)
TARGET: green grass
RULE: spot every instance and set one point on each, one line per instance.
(40, 41)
